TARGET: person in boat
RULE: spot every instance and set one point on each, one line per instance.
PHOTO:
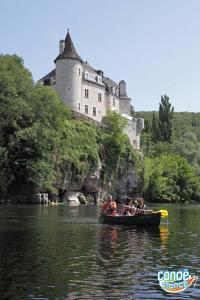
(106, 204)
(140, 208)
(140, 204)
(110, 206)
(129, 209)
(112, 209)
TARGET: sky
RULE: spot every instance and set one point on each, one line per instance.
(154, 45)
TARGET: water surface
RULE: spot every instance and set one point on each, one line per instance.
(64, 253)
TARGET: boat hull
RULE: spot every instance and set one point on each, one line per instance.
(152, 219)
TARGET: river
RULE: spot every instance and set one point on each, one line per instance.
(64, 253)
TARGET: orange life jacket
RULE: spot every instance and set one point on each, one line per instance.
(112, 206)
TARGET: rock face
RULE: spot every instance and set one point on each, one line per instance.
(71, 198)
(82, 199)
(128, 184)
(39, 198)
(74, 198)
(90, 187)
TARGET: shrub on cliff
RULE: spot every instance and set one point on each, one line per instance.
(78, 152)
(118, 154)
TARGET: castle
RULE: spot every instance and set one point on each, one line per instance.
(88, 92)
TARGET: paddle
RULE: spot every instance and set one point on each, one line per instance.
(164, 213)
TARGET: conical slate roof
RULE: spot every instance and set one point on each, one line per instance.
(69, 50)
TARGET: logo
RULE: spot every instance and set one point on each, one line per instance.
(176, 281)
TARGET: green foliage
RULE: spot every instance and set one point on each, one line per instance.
(160, 148)
(165, 119)
(172, 166)
(189, 147)
(31, 119)
(170, 178)
(115, 123)
(155, 130)
(79, 151)
(162, 126)
(182, 122)
(117, 150)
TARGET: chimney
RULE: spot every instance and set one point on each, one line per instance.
(61, 46)
(122, 89)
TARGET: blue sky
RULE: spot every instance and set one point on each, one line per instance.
(154, 45)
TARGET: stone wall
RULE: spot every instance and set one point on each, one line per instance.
(125, 106)
(92, 101)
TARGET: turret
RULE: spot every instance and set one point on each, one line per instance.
(69, 73)
(122, 89)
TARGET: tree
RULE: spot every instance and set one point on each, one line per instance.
(155, 130)
(189, 147)
(165, 121)
(170, 178)
(31, 122)
(115, 123)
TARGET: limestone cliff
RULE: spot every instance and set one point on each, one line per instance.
(124, 181)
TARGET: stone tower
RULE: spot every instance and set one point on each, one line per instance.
(68, 73)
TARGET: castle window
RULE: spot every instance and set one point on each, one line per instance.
(86, 109)
(113, 102)
(94, 112)
(79, 106)
(99, 97)
(79, 71)
(86, 93)
(46, 81)
(98, 79)
(86, 75)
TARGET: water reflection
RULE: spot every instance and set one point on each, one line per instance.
(164, 236)
(112, 238)
(122, 257)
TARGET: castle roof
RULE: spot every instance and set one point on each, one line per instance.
(69, 50)
(109, 83)
(87, 67)
(49, 75)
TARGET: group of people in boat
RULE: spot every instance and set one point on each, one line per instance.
(130, 208)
